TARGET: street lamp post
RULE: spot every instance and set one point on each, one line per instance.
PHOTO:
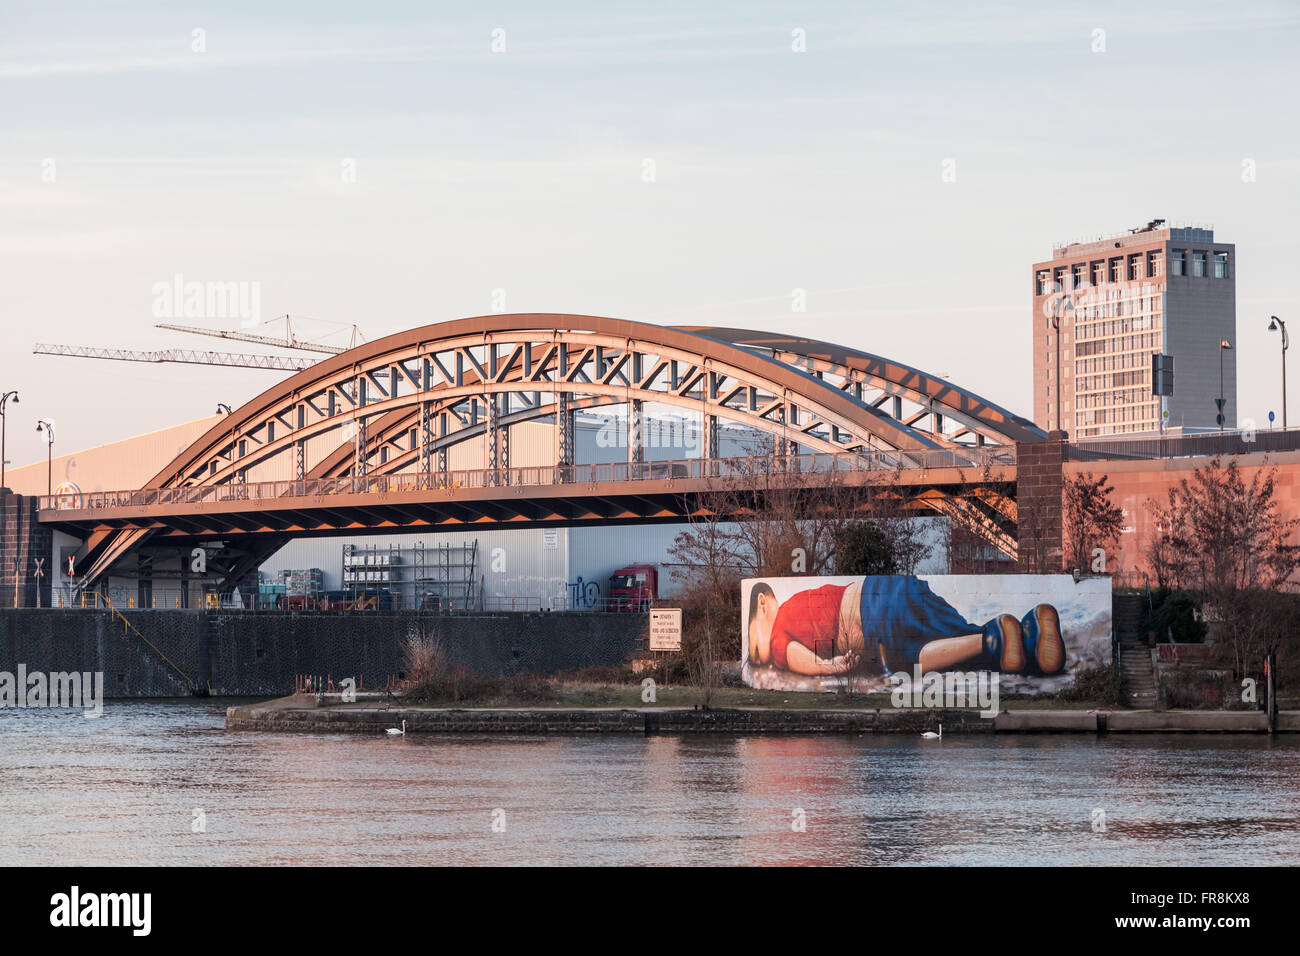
(48, 428)
(1056, 329)
(4, 400)
(1224, 346)
(1274, 326)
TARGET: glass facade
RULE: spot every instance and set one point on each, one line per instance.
(1115, 339)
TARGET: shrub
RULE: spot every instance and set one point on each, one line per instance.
(1174, 614)
(1091, 684)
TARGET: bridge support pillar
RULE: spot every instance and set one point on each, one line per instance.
(563, 431)
(634, 426)
(710, 449)
(491, 440)
(144, 580)
(426, 442)
(1040, 484)
(442, 451)
(184, 596)
(23, 540)
(359, 466)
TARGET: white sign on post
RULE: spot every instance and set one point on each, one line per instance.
(666, 629)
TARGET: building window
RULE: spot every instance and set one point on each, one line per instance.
(1220, 265)
(1176, 259)
(1153, 264)
(1117, 269)
(1044, 282)
(1198, 264)
(1135, 266)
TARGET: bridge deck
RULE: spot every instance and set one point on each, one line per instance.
(550, 495)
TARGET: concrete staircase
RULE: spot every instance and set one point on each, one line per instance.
(1137, 673)
(1137, 676)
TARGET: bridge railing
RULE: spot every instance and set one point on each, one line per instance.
(538, 476)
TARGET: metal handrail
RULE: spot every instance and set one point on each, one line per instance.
(1207, 444)
(539, 476)
(131, 627)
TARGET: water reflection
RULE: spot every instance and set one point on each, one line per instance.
(123, 789)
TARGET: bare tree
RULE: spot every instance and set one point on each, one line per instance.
(893, 506)
(986, 515)
(699, 654)
(1090, 518)
(774, 515)
(1227, 538)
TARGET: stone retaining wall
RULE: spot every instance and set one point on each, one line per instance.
(539, 721)
(259, 654)
(300, 714)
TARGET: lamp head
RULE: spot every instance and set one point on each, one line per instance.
(1272, 325)
(1225, 344)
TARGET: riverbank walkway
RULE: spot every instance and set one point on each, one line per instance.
(310, 713)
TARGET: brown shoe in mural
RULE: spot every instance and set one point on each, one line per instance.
(1044, 646)
(1004, 647)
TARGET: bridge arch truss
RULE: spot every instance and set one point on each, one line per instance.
(402, 404)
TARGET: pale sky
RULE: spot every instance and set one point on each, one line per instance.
(126, 157)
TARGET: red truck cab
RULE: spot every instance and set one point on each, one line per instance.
(633, 588)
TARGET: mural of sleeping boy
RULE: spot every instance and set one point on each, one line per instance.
(814, 633)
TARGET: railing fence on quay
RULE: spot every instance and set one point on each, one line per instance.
(538, 476)
(1207, 445)
(121, 598)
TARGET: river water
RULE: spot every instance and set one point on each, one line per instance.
(123, 789)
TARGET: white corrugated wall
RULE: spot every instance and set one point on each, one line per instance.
(510, 562)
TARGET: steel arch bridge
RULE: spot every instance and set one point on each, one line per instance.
(397, 415)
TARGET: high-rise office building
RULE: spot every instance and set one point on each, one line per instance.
(1103, 308)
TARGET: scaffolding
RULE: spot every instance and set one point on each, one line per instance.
(370, 569)
(441, 576)
(449, 577)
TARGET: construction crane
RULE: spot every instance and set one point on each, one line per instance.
(289, 340)
(278, 363)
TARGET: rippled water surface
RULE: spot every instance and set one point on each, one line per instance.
(123, 790)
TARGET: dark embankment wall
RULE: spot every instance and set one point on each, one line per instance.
(259, 654)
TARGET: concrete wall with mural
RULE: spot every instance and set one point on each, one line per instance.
(818, 634)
